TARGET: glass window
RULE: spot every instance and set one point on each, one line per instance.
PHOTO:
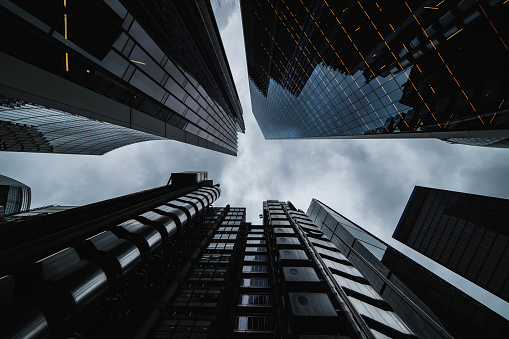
(254, 299)
(256, 242)
(256, 249)
(254, 282)
(255, 258)
(254, 269)
(254, 323)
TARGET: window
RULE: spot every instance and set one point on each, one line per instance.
(255, 258)
(254, 282)
(256, 249)
(254, 323)
(254, 269)
(198, 298)
(220, 246)
(254, 299)
(225, 237)
(256, 242)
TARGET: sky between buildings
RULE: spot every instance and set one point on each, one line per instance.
(368, 181)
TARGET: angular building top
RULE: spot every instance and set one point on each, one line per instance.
(371, 69)
(137, 73)
(14, 196)
(432, 307)
(466, 233)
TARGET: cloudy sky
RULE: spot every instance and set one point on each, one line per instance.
(368, 181)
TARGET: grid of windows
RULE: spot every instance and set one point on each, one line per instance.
(254, 323)
(255, 258)
(254, 282)
(444, 303)
(325, 74)
(254, 300)
(124, 62)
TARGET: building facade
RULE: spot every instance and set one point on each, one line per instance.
(14, 196)
(165, 263)
(424, 301)
(141, 72)
(464, 232)
(105, 269)
(333, 69)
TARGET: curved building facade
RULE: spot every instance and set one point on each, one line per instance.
(368, 69)
(158, 69)
(14, 195)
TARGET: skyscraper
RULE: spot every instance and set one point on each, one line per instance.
(424, 301)
(14, 196)
(164, 263)
(466, 233)
(367, 69)
(108, 263)
(138, 71)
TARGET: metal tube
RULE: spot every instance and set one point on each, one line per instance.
(158, 309)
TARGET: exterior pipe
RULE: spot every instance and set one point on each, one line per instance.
(158, 309)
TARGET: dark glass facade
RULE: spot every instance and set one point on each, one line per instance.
(428, 304)
(159, 69)
(466, 233)
(14, 196)
(368, 69)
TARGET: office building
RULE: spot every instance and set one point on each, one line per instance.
(14, 196)
(164, 263)
(86, 78)
(466, 233)
(429, 305)
(372, 69)
(109, 263)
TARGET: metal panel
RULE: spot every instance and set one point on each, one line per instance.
(146, 237)
(302, 274)
(69, 287)
(292, 255)
(189, 209)
(311, 305)
(180, 215)
(117, 257)
(167, 222)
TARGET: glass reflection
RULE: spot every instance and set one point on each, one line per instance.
(324, 69)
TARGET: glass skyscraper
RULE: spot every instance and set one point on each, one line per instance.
(86, 78)
(14, 196)
(466, 233)
(371, 69)
(429, 305)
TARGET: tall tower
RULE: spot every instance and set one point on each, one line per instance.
(424, 301)
(136, 72)
(372, 69)
(111, 264)
(466, 233)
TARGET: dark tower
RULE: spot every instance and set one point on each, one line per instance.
(466, 233)
(372, 69)
(88, 77)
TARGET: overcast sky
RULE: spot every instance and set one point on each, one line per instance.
(368, 181)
